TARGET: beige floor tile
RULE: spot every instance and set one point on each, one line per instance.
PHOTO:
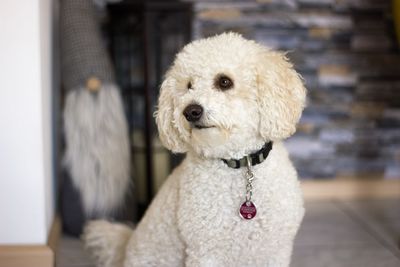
(381, 209)
(325, 224)
(71, 253)
(380, 217)
(351, 256)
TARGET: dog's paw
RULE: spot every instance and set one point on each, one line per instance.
(106, 242)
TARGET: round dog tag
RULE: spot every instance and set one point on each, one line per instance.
(248, 210)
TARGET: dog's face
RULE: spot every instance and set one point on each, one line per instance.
(226, 96)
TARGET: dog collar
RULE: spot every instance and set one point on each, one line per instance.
(255, 158)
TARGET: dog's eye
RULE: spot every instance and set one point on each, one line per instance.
(189, 85)
(223, 82)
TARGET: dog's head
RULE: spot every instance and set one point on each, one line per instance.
(225, 96)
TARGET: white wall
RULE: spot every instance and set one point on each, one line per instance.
(26, 182)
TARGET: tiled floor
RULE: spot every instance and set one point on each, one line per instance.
(349, 234)
(364, 233)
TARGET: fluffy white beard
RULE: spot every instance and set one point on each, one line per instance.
(97, 148)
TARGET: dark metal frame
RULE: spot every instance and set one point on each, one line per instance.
(146, 14)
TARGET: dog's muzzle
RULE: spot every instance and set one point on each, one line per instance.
(193, 112)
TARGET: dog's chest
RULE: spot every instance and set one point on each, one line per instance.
(209, 203)
(208, 217)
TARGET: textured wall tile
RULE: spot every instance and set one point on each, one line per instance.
(370, 110)
(392, 170)
(320, 32)
(369, 4)
(220, 14)
(340, 75)
(336, 135)
(316, 2)
(291, 4)
(380, 91)
(371, 43)
(319, 19)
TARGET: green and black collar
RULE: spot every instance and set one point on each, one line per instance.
(255, 158)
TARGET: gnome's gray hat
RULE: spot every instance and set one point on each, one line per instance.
(83, 53)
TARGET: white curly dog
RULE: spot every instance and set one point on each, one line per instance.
(235, 200)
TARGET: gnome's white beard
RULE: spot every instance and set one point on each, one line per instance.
(97, 148)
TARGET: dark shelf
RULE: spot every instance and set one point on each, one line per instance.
(144, 37)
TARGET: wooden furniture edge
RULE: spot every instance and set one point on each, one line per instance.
(55, 233)
(32, 255)
(348, 189)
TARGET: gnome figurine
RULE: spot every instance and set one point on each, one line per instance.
(97, 154)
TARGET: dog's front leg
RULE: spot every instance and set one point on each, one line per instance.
(156, 241)
(281, 259)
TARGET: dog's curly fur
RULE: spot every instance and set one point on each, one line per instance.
(193, 220)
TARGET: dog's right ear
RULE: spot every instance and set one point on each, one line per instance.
(166, 124)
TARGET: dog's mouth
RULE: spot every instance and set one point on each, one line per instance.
(201, 126)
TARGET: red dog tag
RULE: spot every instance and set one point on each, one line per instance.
(248, 210)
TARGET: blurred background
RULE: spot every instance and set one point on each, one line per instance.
(346, 149)
(346, 51)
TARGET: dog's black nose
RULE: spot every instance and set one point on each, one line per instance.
(193, 112)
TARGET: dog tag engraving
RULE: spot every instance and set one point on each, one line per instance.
(248, 210)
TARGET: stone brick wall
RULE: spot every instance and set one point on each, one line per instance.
(347, 54)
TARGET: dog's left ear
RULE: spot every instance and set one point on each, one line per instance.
(281, 95)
